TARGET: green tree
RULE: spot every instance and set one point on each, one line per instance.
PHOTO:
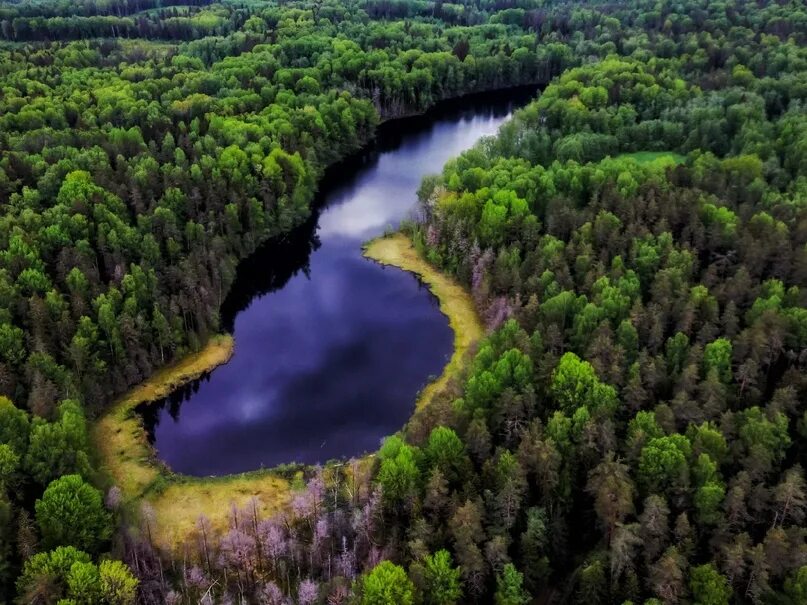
(399, 475)
(708, 586)
(442, 579)
(534, 547)
(446, 451)
(387, 584)
(509, 587)
(14, 427)
(717, 359)
(509, 484)
(71, 513)
(575, 384)
(44, 576)
(12, 344)
(118, 584)
(592, 583)
(664, 462)
(60, 447)
(765, 437)
(796, 586)
(9, 465)
(84, 582)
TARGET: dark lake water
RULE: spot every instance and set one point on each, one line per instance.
(331, 348)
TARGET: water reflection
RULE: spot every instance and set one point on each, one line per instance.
(331, 349)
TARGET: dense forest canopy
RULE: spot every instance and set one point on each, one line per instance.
(632, 430)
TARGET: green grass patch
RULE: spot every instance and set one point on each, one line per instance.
(646, 157)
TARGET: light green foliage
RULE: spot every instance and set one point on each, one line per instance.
(664, 462)
(45, 575)
(443, 585)
(387, 584)
(704, 469)
(765, 437)
(14, 427)
(118, 584)
(59, 447)
(493, 374)
(506, 478)
(628, 338)
(796, 586)
(677, 349)
(84, 582)
(662, 157)
(642, 428)
(509, 587)
(708, 500)
(720, 218)
(575, 384)
(562, 308)
(67, 575)
(500, 213)
(399, 474)
(12, 344)
(710, 490)
(717, 359)
(9, 464)
(706, 438)
(446, 451)
(71, 513)
(708, 586)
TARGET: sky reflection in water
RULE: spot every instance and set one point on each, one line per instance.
(331, 348)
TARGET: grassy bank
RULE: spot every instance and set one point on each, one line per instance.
(125, 454)
(455, 302)
(129, 461)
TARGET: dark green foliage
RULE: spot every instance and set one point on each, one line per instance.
(147, 146)
(631, 430)
(654, 247)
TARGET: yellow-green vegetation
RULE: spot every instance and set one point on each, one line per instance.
(177, 501)
(125, 454)
(178, 505)
(129, 462)
(455, 302)
(646, 157)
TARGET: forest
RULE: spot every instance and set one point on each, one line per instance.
(631, 430)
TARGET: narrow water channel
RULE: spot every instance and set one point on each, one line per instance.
(331, 348)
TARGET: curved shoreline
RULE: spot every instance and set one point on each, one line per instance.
(397, 250)
(128, 461)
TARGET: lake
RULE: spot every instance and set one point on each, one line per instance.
(331, 348)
